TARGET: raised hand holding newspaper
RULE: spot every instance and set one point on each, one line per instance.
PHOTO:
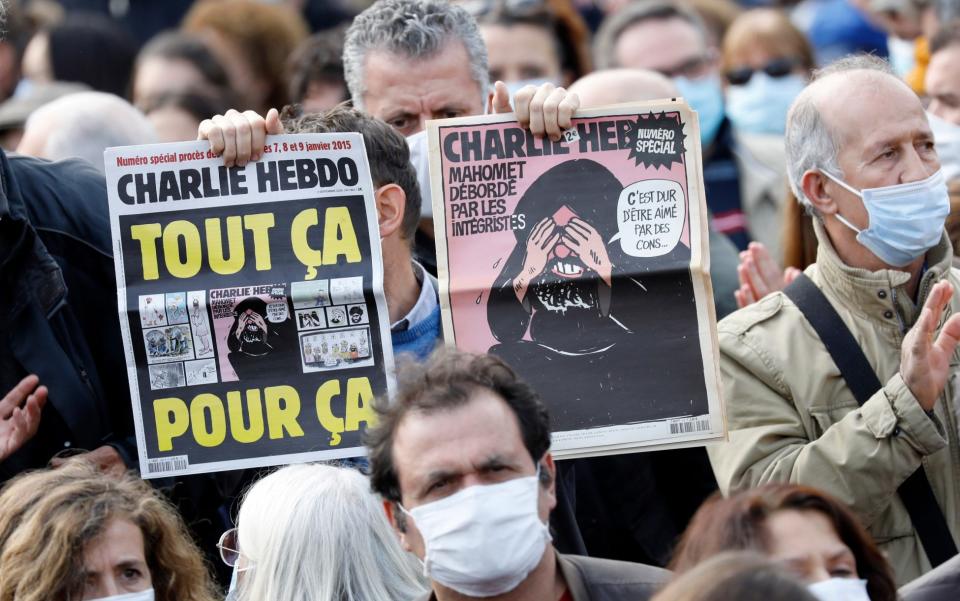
(584, 263)
(251, 301)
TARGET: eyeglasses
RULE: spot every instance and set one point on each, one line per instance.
(229, 548)
(778, 67)
(692, 68)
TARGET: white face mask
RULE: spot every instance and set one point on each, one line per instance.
(840, 589)
(146, 595)
(484, 540)
(905, 220)
(420, 159)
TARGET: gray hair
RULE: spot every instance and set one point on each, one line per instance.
(415, 29)
(85, 124)
(317, 533)
(605, 43)
(810, 144)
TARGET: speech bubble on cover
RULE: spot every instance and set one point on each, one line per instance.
(650, 217)
(277, 311)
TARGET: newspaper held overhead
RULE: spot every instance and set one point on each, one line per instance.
(251, 302)
(584, 263)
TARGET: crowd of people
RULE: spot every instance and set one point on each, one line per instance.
(830, 136)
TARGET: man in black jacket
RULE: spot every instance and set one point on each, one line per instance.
(58, 303)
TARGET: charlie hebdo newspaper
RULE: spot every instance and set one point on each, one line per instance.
(584, 263)
(251, 302)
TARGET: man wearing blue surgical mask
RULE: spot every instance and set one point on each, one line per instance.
(872, 420)
(669, 38)
(461, 458)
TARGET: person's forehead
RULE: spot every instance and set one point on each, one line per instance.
(443, 77)
(509, 40)
(121, 539)
(458, 439)
(944, 69)
(864, 108)
(659, 44)
(793, 532)
(754, 54)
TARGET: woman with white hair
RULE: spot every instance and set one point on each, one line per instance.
(317, 533)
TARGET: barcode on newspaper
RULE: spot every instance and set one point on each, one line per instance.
(690, 425)
(168, 464)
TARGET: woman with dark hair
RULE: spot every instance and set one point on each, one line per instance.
(74, 534)
(175, 62)
(86, 48)
(811, 533)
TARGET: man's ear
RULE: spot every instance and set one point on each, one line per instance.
(391, 206)
(813, 185)
(548, 478)
(399, 522)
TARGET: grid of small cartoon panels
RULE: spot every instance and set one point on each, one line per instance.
(333, 323)
(177, 339)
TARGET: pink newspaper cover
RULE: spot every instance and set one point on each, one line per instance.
(584, 264)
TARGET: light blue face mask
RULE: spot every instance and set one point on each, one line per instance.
(705, 95)
(903, 56)
(905, 220)
(760, 106)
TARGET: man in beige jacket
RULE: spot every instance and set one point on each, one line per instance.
(855, 137)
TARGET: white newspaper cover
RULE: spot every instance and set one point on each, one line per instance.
(251, 302)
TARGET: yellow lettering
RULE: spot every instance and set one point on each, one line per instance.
(328, 420)
(339, 237)
(218, 263)
(301, 247)
(172, 419)
(182, 266)
(283, 417)
(146, 234)
(359, 404)
(217, 432)
(239, 432)
(260, 225)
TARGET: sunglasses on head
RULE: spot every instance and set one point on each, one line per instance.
(778, 67)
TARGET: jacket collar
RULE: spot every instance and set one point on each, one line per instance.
(879, 295)
(571, 575)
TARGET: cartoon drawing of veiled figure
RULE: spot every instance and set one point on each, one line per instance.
(257, 345)
(569, 302)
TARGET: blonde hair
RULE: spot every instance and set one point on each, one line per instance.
(770, 29)
(317, 533)
(47, 519)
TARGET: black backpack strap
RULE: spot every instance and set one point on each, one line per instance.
(915, 492)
